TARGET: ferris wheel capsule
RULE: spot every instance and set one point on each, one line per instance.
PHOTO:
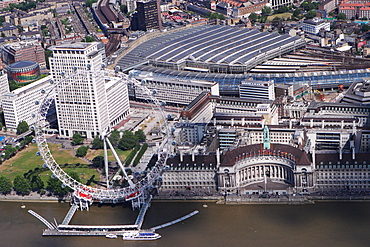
(63, 73)
(43, 91)
(103, 65)
(38, 153)
(88, 66)
(74, 69)
(53, 176)
(32, 128)
(163, 103)
(63, 186)
(116, 69)
(44, 165)
(52, 81)
(33, 115)
(154, 92)
(174, 143)
(33, 140)
(37, 102)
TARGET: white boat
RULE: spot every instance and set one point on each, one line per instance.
(140, 235)
(111, 235)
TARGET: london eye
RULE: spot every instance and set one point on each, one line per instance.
(137, 189)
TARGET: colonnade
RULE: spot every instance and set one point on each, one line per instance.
(258, 172)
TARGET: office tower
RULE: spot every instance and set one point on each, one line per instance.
(81, 99)
(148, 16)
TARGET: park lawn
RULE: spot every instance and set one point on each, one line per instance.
(85, 173)
(282, 16)
(92, 153)
(27, 160)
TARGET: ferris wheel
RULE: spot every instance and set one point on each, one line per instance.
(84, 195)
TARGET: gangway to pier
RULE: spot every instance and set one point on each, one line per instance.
(175, 221)
(42, 219)
(140, 217)
(71, 212)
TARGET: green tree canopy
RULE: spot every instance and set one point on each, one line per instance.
(128, 141)
(82, 151)
(282, 9)
(266, 10)
(5, 185)
(253, 16)
(98, 162)
(77, 139)
(97, 143)
(140, 135)
(114, 137)
(22, 185)
(311, 14)
(88, 39)
(22, 127)
(56, 186)
(341, 16)
(37, 183)
(365, 28)
(9, 152)
(89, 3)
(296, 13)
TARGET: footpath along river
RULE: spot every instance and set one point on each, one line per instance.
(320, 224)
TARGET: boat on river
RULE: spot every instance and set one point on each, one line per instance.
(111, 235)
(140, 235)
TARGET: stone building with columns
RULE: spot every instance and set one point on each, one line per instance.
(273, 168)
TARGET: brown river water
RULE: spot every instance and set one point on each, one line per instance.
(320, 224)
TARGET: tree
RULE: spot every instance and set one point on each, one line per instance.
(282, 9)
(364, 18)
(123, 9)
(77, 139)
(37, 183)
(26, 140)
(253, 16)
(266, 10)
(9, 152)
(140, 135)
(128, 141)
(81, 151)
(75, 176)
(114, 137)
(365, 28)
(22, 185)
(48, 54)
(5, 185)
(55, 185)
(341, 16)
(97, 143)
(22, 127)
(88, 39)
(296, 13)
(311, 14)
(89, 3)
(98, 162)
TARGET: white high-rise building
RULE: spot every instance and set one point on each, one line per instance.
(4, 84)
(19, 105)
(81, 99)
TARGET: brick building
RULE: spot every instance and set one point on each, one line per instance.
(21, 51)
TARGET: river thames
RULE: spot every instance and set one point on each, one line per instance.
(320, 224)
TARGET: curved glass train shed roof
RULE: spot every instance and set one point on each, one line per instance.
(212, 45)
